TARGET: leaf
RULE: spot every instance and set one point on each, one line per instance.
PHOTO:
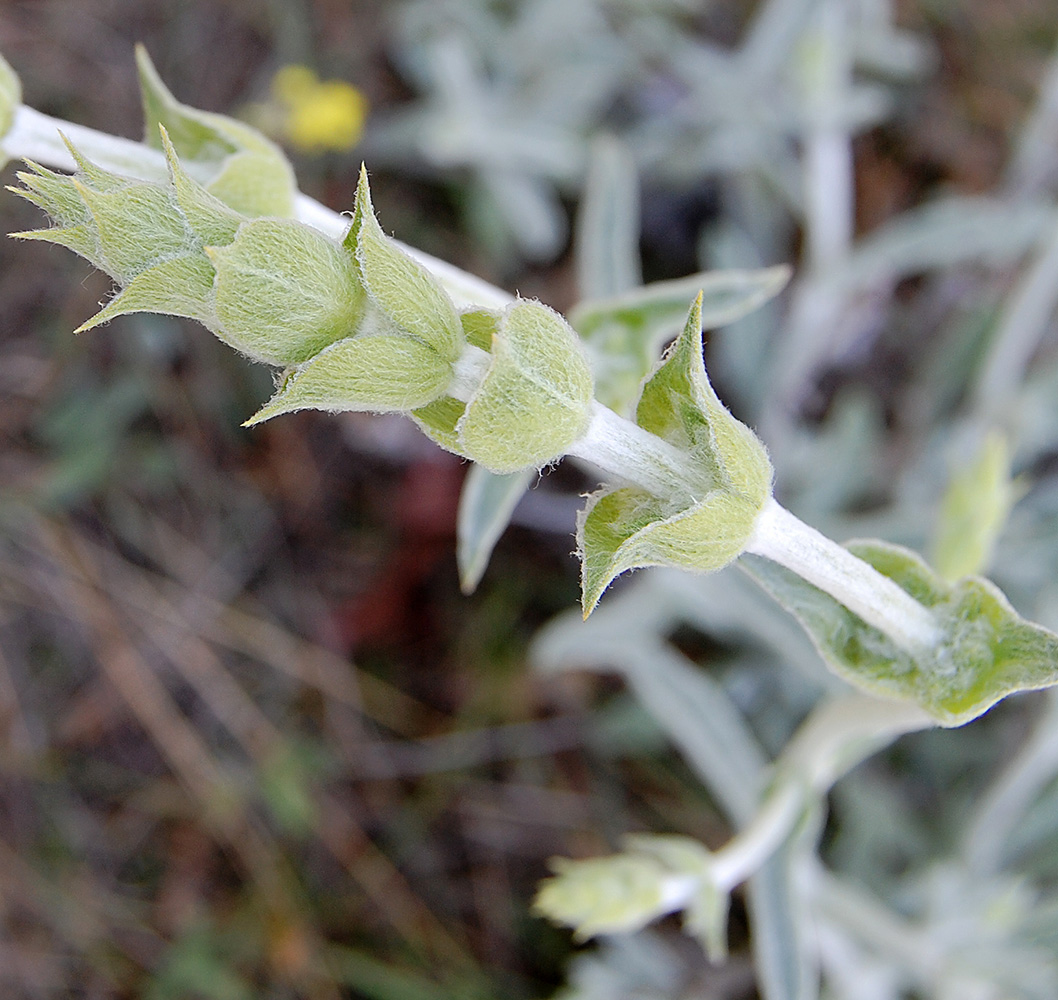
(378, 374)
(779, 927)
(410, 297)
(284, 291)
(214, 222)
(987, 651)
(536, 397)
(607, 247)
(973, 511)
(628, 528)
(486, 504)
(726, 296)
(626, 332)
(246, 171)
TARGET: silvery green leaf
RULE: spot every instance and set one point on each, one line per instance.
(486, 504)
(238, 164)
(943, 233)
(607, 245)
(783, 958)
(377, 373)
(625, 333)
(284, 291)
(409, 296)
(987, 650)
(536, 397)
(628, 528)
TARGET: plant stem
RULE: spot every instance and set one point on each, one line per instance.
(36, 136)
(748, 851)
(833, 739)
(617, 446)
(785, 539)
(624, 450)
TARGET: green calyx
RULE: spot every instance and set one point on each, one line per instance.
(702, 528)
(536, 397)
(655, 875)
(986, 650)
(283, 291)
(274, 289)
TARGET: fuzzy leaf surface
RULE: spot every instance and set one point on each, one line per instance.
(408, 295)
(377, 374)
(284, 291)
(987, 652)
(628, 528)
(536, 397)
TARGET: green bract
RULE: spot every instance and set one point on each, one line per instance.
(536, 397)
(629, 527)
(284, 291)
(275, 289)
(654, 876)
(987, 650)
(234, 161)
(374, 373)
(121, 225)
(406, 293)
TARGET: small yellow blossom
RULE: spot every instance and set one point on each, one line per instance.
(317, 115)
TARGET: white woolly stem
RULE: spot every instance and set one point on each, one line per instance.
(746, 853)
(623, 449)
(469, 371)
(785, 539)
(35, 136)
(832, 740)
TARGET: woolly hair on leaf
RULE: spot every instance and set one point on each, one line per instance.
(703, 530)
(536, 397)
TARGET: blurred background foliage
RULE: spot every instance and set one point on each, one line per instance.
(253, 740)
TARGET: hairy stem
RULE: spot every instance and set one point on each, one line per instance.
(785, 539)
